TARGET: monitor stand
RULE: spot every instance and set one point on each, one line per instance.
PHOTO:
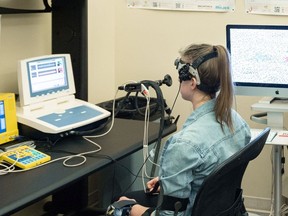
(270, 100)
(266, 100)
(275, 120)
(274, 113)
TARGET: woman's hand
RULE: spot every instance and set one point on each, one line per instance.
(125, 198)
(151, 184)
(136, 210)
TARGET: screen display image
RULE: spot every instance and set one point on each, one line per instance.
(47, 75)
(2, 117)
(259, 59)
(44, 78)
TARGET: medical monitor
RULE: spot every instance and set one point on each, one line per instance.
(8, 120)
(44, 78)
(259, 59)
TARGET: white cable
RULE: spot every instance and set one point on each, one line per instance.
(111, 126)
(145, 139)
(65, 158)
(7, 167)
(87, 138)
(74, 165)
(11, 168)
(284, 209)
(146, 155)
(146, 94)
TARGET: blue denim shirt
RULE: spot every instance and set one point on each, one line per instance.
(192, 153)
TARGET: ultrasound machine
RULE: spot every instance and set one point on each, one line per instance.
(47, 102)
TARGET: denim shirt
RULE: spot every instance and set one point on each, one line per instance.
(190, 155)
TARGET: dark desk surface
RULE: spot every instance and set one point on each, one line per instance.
(22, 189)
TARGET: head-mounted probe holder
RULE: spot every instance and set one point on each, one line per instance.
(186, 70)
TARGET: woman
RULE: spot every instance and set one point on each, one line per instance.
(212, 133)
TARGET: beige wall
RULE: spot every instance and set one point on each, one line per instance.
(144, 45)
(134, 44)
(22, 36)
(101, 50)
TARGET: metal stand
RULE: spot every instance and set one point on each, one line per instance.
(277, 149)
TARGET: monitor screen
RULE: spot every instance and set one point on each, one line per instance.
(2, 117)
(44, 78)
(8, 119)
(47, 75)
(259, 59)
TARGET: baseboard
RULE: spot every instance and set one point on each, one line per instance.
(258, 205)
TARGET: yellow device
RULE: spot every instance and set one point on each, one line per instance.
(8, 118)
(25, 157)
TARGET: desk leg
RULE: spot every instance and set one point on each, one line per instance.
(277, 150)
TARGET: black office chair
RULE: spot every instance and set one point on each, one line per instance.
(220, 194)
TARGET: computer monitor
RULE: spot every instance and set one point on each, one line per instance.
(46, 77)
(259, 58)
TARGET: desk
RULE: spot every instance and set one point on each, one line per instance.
(273, 118)
(19, 190)
(280, 140)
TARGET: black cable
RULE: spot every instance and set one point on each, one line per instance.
(177, 95)
(136, 176)
(283, 161)
(91, 131)
(121, 104)
(152, 112)
(114, 161)
(117, 163)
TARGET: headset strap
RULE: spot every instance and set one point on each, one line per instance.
(197, 63)
(204, 58)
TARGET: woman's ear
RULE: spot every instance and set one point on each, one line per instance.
(193, 83)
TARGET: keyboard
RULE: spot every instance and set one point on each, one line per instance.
(25, 157)
(256, 132)
(70, 116)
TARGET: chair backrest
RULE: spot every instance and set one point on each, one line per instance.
(219, 190)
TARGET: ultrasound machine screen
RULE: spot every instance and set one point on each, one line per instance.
(47, 75)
